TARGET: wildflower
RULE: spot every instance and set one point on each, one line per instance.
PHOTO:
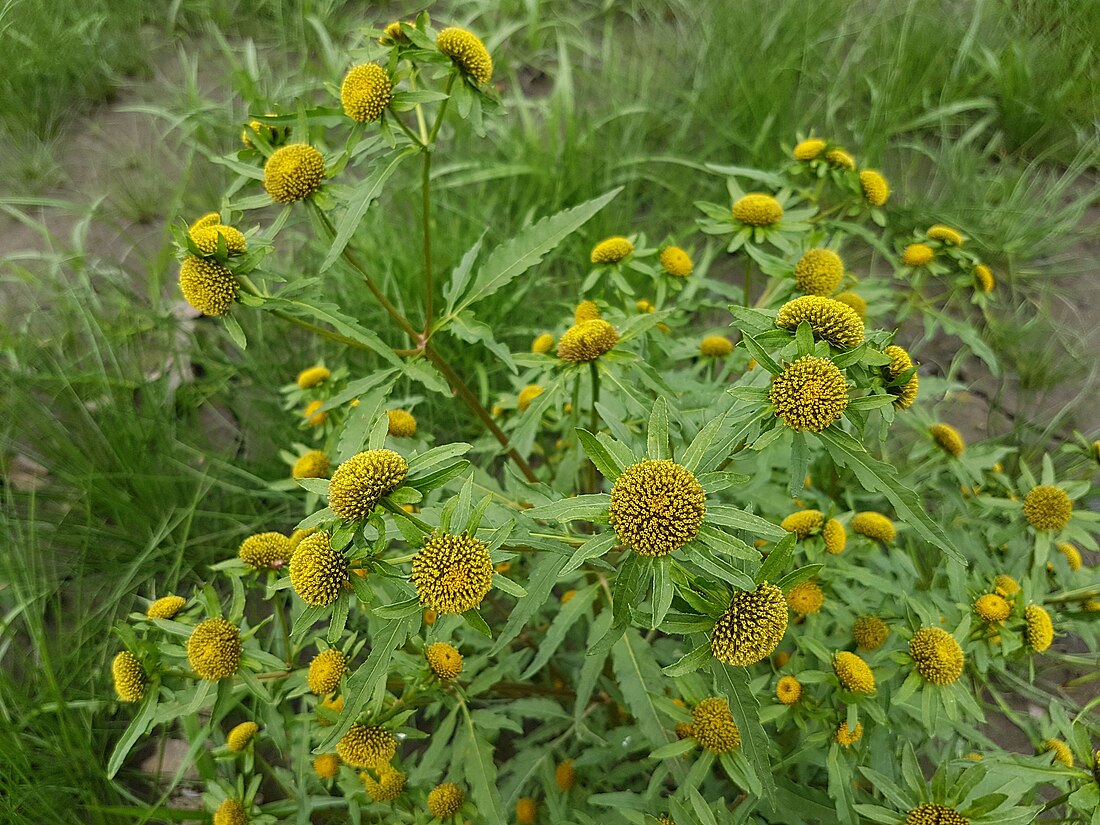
(214, 649)
(806, 598)
(360, 482)
(715, 346)
(869, 632)
(974, 756)
(318, 571)
(712, 725)
(326, 670)
(586, 311)
(656, 507)
(757, 209)
(830, 320)
(900, 363)
(1061, 751)
(332, 704)
(313, 414)
(271, 134)
(312, 376)
(836, 537)
(1047, 507)
(612, 250)
(165, 607)
(876, 191)
(936, 655)
(854, 673)
(874, 526)
(293, 172)
(818, 272)
(402, 424)
(665, 820)
(1005, 586)
(129, 677)
(209, 219)
(840, 158)
(810, 394)
(444, 660)
(565, 775)
(643, 306)
(808, 149)
(326, 765)
(1040, 630)
(367, 746)
(930, 813)
(205, 238)
(683, 731)
(992, 608)
(752, 627)
(264, 551)
(984, 276)
(430, 617)
(387, 787)
(312, 464)
(788, 690)
(946, 235)
(803, 522)
(527, 395)
(526, 811)
(917, 254)
(676, 262)
(846, 737)
(543, 343)
(207, 286)
(587, 340)
(452, 574)
(297, 536)
(393, 33)
(445, 800)
(1072, 554)
(948, 438)
(855, 301)
(366, 92)
(230, 812)
(468, 53)
(239, 738)
(781, 658)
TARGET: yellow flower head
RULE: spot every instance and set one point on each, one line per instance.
(854, 673)
(326, 765)
(876, 191)
(656, 507)
(367, 746)
(946, 235)
(209, 219)
(293, 172)
(205, 238)
(869, 632)
(818, 272)
(334, 705)
(264, 551)
(1005, 586)
(402, 423)
(712, 725)
(444, 660)
(984, 276)
(230, 812)
(810, 394)
(806, 598)
(644, 306)
(753, 626)
(430, 617)
(565, 775)
(318, 571)
(568, 596)
(527, 395)
(917, 254)
(803, 522)
(676, 262)
(948, 438)
(855, 301)
(165, 607)
(757, 209)
(393, 33)
(313, 415)
(992, 608)
(587, 340)
(312, 376)
(452, 574)
(930, 813)
(1072, 554)
(901, 362)
(665, 820)
(360, 482)
(129, 677)
(788, 690)
(808, 149)
(936, 655)
(312, 464)
(526, 811)
(838, 157)
(612, 250)
(1061, 751)
(297, 536)
(366, 92)
(1040, 629)
(874, 526)
(543, 343)
(585, 311)
(468, 53)
(387, 787)
(830, 320)
(207, 285)
(715, 346)
(214, 649)
(445, 800)
(272, 134)
(845, 737)
(1047, 507)
(239, 738)
(836, 537)
(326, 670)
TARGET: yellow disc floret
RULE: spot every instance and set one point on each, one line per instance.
(205, 239)
(326, 765)
(854, 673)
(836, 537)
(712, 725)
(209, 219)
(874, 526)
(810, 394)
(165, 607)
(526, 811)
(527, 395)
(1005, 586)
(360, 482)
(1072, 555)
(838, 157)
(656, 507)
(676, 262)
(845, 737)
(293, 172)
(901, 363)
(1061, 751)
(565, 775)
(806, 598)
(129, 677)
(917, 254)
(312, 376)
(318, 572)
(468, 53)
(241, 736)
(367, 746)
(808, 149)
(992, 608)
(444, 660)
(207, 285)
(803, 522)
(757, 209)
(1039, 629)
(543, 343)
(1047, 507)
(387, 787)
(214, 649)
(402, 424)
(612, 250)
(945, 235)
(788, 690)
(312, 464)
(876, 191)
(753, 626)
(818, 272)
(264, 551)
(869, 632)
(326, 670)
(830, 320)
(984, 276)
(715, 346)
(230, 812)
(853, 299)
(587, 340)
(366, 92)
(452, 574)
(445, 800)
(930, 813)
(936, 655)
(586, 311)
(948, 438)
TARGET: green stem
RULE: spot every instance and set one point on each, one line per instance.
(412, 135)
(423, 526)
(280, 617)
(426, 209)
(748, 282)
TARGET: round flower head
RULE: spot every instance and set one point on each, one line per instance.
(612, 250)
(806, 598)
(1061, 751)
(334, 705)
(166, 607)
(387, 787)
(326, 670)
(1047, 507)
(757, 209)
(1005, 586)
(869, 632)
(712, 725)
(656, 507)
(585, 311)
(297, 536)
(803, 522)
(838, 157)
(565, 775)
(444, 660)
(313, 415)
(402, 424)
(326, 765)
(818, 272)
(468, 53)
(239, 738)
(366, 92)
(855, 301)
(945, 235)
(129, 677)
(753, 626)
(810, 394)
(452, 574)
(948, 438)
(214, 649)
(836, 537)
(1040, 629)
(936, 655)
(205, 238)
(683, 731)
(526, 811)
(874, 526)
(544, 343)
(393, 33)
(445, 800)
(715, 346)
(265, 550)
(313, 464)
(257, 127)
(527, 395)
(808, 149)
(665, 820)
(209, 219)
(367, 746)
(644, 306)
(293, 172)
(854, 673)
(876, 191)
(931, 813)
(917, 254)
(318, 572)
(900, 363)
(830, 320)
(361, 481)
(1072, 554)
(845, 737)
(230, 812)
(788, 690)
(312, 376)
(984, 276)
(207, 286)
(992, 608)
(676, 262)
(587, 340)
